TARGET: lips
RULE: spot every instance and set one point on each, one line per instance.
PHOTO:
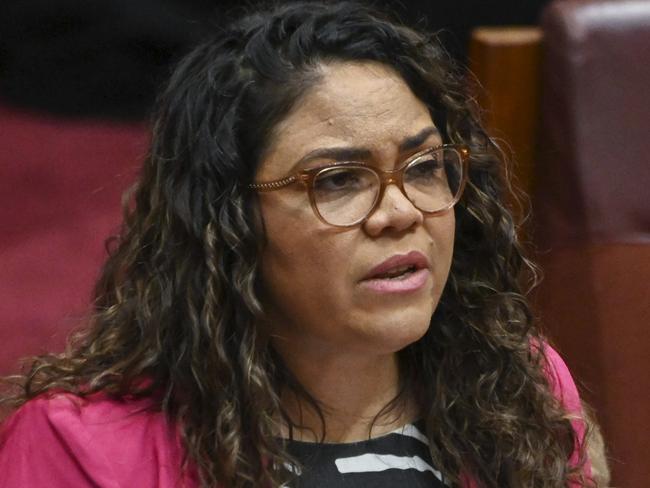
(399, 275)
(398, 265)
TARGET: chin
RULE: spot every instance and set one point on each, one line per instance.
(397, 333)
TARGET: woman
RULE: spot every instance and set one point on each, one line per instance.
(317, 284)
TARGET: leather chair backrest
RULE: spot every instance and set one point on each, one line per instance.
(592, 210)
(596, 135)
(61, 182)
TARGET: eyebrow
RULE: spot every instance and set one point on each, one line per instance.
(413, 142)
(360, 153)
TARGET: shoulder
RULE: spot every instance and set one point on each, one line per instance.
(64, 440)
(564, 389)
(560, 380)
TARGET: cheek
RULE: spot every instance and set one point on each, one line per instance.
(442, 231)
(302, 268)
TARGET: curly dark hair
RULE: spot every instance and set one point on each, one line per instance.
(177, 305)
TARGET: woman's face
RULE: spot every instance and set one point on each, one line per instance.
(317, 297)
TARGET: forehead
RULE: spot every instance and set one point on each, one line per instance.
(354, 104)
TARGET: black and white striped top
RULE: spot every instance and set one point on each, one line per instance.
(399, 458)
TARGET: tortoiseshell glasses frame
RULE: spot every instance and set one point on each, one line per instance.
(307, 177)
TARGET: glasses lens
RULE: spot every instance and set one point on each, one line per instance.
(344, 195)
(432, 182)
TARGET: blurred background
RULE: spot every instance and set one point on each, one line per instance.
(105, 59)
(564, 85)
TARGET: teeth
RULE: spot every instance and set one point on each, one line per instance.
(397, 271)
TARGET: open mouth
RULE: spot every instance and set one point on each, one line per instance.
(399, 267)
(398, 273)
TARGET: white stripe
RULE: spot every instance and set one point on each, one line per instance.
(292, 468)
(371, 463)
(411, 430)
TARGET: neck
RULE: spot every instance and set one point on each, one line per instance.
(351, 390)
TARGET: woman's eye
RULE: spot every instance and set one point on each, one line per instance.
(338, 179)
(428, 168)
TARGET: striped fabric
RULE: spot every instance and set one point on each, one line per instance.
(399, 458)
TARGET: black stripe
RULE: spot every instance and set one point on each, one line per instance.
(319, 468)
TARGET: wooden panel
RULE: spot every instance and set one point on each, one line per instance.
(506, 62)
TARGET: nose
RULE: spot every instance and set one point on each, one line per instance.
(394, 211)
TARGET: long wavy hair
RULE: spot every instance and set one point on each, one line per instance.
(177, 305)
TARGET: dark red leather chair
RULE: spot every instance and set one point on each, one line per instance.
(60, 190)
(592, 207)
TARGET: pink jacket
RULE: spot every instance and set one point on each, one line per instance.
(62, 441)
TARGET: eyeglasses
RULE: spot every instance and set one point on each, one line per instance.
(344, 194)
